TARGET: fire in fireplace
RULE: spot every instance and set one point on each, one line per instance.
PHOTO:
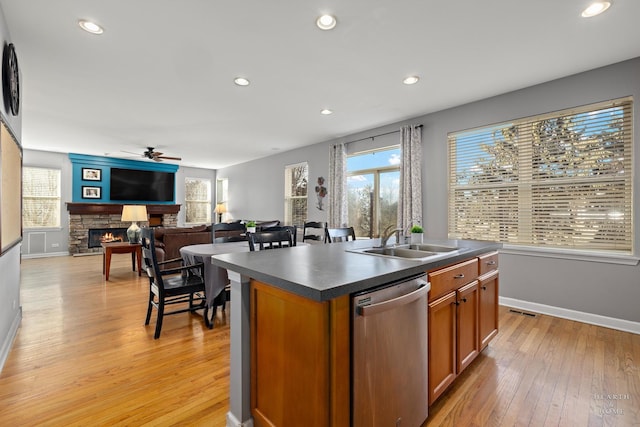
(106, 235)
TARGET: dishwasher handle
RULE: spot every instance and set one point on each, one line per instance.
(367, 310)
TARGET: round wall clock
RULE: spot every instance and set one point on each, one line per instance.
(11, 79)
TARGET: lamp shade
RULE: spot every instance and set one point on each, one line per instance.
(134, 213)
(221, 208)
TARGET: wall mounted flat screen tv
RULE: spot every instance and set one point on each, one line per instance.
(142, 185)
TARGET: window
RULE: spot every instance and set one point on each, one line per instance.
(560, 180)
(373, 186)
(40, 197)
(296, 180)
(197, 199)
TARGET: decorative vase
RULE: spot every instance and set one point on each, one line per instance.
(416, 238)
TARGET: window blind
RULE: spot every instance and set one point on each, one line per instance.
(561, 180)
(40, 197)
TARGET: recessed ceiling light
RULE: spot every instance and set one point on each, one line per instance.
(90, 27)
(595, 8)
(326, 111)
(411, 80)
(326, 22)
(241, 81)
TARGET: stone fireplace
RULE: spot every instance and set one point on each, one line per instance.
(84, 217)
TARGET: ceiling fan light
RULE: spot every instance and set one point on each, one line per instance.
(596, 8)
(241, 81)
(90, 26)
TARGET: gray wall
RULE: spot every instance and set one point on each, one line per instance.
(593, 287)
(256, 189)
(10, 310)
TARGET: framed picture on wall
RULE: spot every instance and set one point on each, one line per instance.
(89, 174)
(91, 192)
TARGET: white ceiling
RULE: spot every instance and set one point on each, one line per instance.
(162, 73)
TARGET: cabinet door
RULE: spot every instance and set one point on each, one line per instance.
(442, 344)
(467, 325)
(488, 308)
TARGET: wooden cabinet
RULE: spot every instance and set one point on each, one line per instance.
(453, 324)
(300, 372)
(488, 296)
(442, 345)
(467, 325)
(463, 317)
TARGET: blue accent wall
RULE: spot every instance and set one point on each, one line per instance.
(104, 165)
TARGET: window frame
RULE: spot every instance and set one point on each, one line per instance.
(289, 216)
(376, 172)
(207, 202)
(57, 198)
(526, 182)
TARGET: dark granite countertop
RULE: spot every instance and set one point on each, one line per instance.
(323, 272)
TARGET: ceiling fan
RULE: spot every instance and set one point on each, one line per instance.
(156, 155)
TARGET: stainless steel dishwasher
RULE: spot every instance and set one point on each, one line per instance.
(389, 356)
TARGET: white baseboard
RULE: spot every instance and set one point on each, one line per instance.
(592, 319)
(45, 255)
(6, 345)
(232, 421)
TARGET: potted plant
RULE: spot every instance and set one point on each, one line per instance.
(251, 226)
(417, 234)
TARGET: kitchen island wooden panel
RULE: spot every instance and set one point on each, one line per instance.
(299, 359)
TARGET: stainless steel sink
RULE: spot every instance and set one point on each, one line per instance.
(416, 252)
(432, 248)
(402, 252)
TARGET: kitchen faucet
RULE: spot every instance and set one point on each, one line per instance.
(384, 236)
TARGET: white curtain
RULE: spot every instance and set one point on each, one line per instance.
(337, 186)
(410, 203)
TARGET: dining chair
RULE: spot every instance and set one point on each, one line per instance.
(313, 230)
(342, 234)
(270, 240)
(179, 285)
(233, 231)
(291, 228)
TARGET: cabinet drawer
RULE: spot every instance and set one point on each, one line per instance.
(451, 278)
(488, 262)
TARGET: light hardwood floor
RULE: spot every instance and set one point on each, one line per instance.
(84, 357)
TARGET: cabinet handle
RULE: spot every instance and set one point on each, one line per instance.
(459, 276)
(484, 288)
(491, 263)
(464, 300)
(456, 302)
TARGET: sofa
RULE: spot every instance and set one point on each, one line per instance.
(169, 240)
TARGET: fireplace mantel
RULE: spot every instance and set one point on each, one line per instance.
(116, 209)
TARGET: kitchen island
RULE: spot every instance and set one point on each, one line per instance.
(299, 299)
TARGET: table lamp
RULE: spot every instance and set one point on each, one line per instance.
(220, 209)
(134, 213)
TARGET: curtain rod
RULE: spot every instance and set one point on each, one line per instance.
(377, 136)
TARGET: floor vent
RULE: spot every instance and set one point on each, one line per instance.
(524, 313)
